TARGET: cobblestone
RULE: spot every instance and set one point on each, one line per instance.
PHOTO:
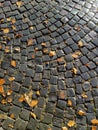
(63, 83)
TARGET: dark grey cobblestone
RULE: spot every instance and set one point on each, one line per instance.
(63, 82)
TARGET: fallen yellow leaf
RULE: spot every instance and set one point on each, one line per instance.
(69, 103)
(43, 44)
(11, 126)
(33, 103)
(3, 116)
(30, 42)
(64, 128)
(94, 121)
(75, 70)
(7, 49)
(4, 101)
(9, 92)
(11, 78)
(81, 113)
(84, 95)
(80, 43)
(13, 20)
(1, 89)
(71, 123)
(13, 63)
(22, 98)
(2, 81)
(12, 116)
(33, 115)
(13, 27)
(76, 54)
(52, 53)
(38, 93)
(19, 3)
(6, 30)
(94, 127)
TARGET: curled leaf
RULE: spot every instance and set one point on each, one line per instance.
(9, 92)
(22, 98)
(94, 127)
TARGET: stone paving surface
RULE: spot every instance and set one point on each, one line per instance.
(49, 47)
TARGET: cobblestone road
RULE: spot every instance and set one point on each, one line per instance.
(49, 65)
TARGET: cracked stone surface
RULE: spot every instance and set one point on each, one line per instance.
(51, 48)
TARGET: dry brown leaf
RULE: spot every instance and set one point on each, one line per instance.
(94, 121)
(4, 101)
(69, 103)
(13, 63)
(5, 30)
(19, 4)
(75, 70)
(33, 115)
(33, 103)
(36, 49)
(30, 42)
(80, 43)
(81, 113)
(52, 53)
(3, 116)
(1, 89)
(2, 81)
(71, 123)
(11, 79)
(64, 128)
(94, 127)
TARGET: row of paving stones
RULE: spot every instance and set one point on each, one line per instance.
(60, 25)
